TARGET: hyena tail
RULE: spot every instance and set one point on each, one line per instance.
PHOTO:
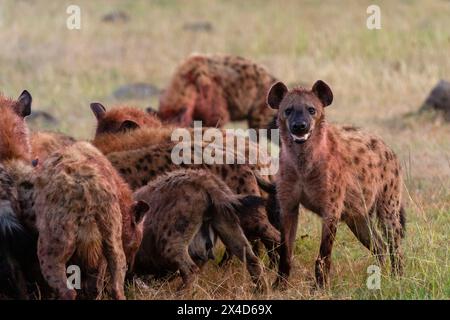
(272, 205)
(89, 245)
(403, 221)
(264, 184)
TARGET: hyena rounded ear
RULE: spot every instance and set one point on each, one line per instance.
(98, 109)
(23, 105)
(128, 125)
(323, 92)
(276, 95)
(140, 209)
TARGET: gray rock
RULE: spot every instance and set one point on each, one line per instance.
(116, 16)
(439, 98)
(138, 91)
(198, 26)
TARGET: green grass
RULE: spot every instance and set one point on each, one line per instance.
(379, 78)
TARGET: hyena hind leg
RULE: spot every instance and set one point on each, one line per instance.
(188, 270)
(116, 264)
(53, 260)
(366, 232)
(391, 221)
(233, 237)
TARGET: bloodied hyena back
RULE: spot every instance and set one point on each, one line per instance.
(340, 173)
(216, 89)
(86, 216)
(181, 204)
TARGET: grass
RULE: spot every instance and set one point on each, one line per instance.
(379, 78)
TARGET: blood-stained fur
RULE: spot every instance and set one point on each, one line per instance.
(43, 143)
(85, 215)
(14, 136)
(216, 89)
(340, 173)
(181, 202)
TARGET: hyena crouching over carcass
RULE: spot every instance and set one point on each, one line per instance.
(181, 203)
(340, 173)
(86, 216)
(216, 89)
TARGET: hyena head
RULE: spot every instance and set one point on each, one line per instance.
(122, 119)
(14, 135)
(299, 110)
(176, 106)
(133, 233)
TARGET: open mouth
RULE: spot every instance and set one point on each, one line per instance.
(300, 138)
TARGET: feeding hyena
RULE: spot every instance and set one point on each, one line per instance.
(340, 173)
(140, 155)
(187, 209)
(86, 216)
(216, 89)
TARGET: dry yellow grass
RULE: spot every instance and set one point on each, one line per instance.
(378, 77)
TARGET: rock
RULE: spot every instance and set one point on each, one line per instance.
(439, 99)
(198, 26)
(116, 16)
(138, 91)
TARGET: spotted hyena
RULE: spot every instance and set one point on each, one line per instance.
(216, 89)
(181, 202)
(138, 161)
(340, 173)
(14, 134)
(43, 143)
(86, 216)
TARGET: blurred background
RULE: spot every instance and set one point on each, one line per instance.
(126, 52)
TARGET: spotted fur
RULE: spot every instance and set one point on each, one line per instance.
(85, 215)
(181, 202)
(340, 173)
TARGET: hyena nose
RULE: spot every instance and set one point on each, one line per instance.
(299, 126)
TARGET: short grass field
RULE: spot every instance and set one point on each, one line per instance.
(380, 78)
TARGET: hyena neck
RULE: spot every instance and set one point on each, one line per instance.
(315, 149)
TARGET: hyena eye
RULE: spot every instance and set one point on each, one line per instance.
(311, 111)
(288, 111)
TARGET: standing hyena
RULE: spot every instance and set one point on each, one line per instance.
(216, 89)
(338, 173)
(181, 203)
(85, 215)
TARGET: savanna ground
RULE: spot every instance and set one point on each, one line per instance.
(379, 78)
